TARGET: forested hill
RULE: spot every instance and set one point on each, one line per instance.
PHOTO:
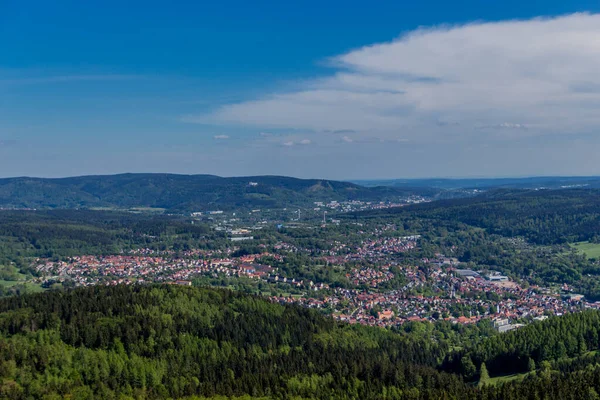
(185, 192)
(161, 342)
(540, 216)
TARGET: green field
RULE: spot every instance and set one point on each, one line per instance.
(507, 378)
(21, 280)
(30, 287)
(592, 250)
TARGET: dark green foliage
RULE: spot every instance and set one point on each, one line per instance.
(177, 341)
(61, 233)
(154, 342)
(521, 350)
(184, 192)
(484, 376)
(540, 216)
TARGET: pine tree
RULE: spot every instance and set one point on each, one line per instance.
(530, 365)
(484, 376)
(468, 368)
(582, 347)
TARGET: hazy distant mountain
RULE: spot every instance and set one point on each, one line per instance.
(186, 192)
(547, 182)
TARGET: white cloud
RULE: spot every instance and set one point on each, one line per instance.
(221, 137)
(302, 142)
(505, 125)
(347, 139)
(541, 75)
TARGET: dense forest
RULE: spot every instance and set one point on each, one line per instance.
(568, 337)
(63, 233)
(158, 342)
(540, 216)
(178, 342)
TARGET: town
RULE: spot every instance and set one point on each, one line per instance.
(376, 286)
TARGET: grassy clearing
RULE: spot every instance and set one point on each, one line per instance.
(21, 279)
(507, 378)
(33, 287)
(591, 250)
(29, 286)
(147, 210)
(11, 270)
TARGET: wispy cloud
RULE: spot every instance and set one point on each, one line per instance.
(527, 77)
(221, 137)
(505, 125)
(299, 142)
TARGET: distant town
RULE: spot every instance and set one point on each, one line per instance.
(429, 289)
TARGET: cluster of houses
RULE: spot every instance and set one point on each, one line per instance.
(461, 297)
(118, 269)
(372, 250)
(436, 289)
(369, 276)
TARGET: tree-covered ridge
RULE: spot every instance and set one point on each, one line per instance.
(569, 336)
(185, 192)
(180, 342)
(158, 342)
(61, 233)
(540, 216)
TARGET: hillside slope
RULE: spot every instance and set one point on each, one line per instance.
(540, 216)
(169, 342)
(159, 342)
(185, 192)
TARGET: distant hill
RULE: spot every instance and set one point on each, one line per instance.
(542, 182)
(186, 192)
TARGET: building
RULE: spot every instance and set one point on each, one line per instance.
(241, 238)
(503, 325)
(573, 297)
(385, 315)
(467, 273)
(498, 278)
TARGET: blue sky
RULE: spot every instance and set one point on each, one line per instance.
(336, 89)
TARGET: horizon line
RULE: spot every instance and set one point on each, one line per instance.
(500, 177)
